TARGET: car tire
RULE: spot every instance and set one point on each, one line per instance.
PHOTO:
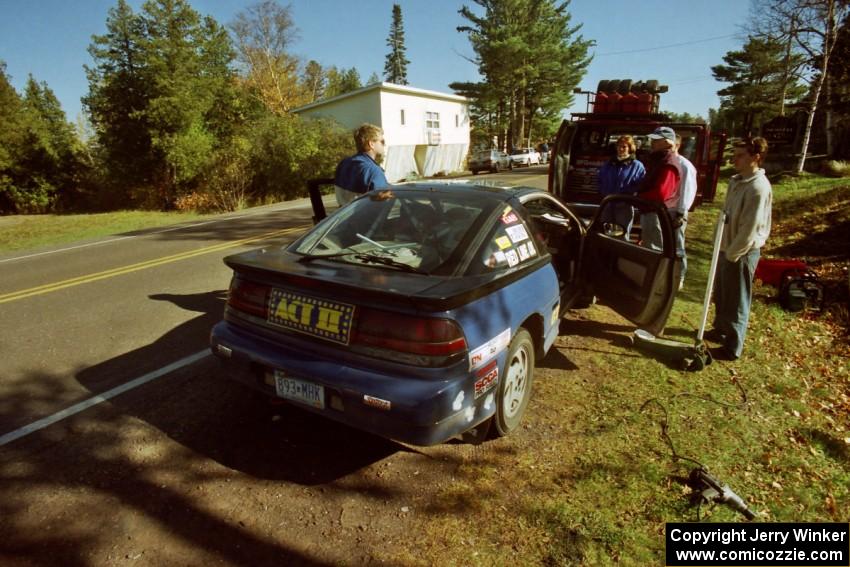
(514, 389)
(603, 86)
(496, 168)
(474, 172)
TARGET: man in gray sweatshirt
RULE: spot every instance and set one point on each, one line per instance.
(747, 207)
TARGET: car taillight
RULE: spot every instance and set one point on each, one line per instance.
(248, 297)
(407, 334)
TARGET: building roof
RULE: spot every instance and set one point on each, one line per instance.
(388, 87)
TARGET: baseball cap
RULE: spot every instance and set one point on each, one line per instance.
(663, 133)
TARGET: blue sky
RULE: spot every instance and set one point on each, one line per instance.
(675, 43)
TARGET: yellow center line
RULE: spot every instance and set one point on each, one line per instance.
(47, 288)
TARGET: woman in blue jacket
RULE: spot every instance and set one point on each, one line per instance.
(621, 176)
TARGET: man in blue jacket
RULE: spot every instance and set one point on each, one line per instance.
(361, 173)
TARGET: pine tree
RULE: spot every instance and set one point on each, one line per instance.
(340, 81)
(395, 68)
(314, 81)
(117, 100)
(756, 74)
(531, 59)
(12, 136)
(161, 97)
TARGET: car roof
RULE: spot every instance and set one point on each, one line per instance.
(485, 190)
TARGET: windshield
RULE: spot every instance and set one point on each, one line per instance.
(405, 230)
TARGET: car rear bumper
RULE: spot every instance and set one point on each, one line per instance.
(427, 407)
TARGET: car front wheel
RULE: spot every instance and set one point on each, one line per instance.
(515, 385)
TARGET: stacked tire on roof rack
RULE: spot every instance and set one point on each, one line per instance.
(624, 96)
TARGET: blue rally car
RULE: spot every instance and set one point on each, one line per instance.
(417, 313)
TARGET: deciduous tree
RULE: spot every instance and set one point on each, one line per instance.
(263, 33)
(809, 27)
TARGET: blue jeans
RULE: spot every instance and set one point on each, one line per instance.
(733, 294)
(650, 231)
(680, 249)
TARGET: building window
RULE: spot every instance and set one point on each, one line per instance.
(457, 120)
(402, 117)
(432, 120)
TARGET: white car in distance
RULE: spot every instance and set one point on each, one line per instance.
(525, 156)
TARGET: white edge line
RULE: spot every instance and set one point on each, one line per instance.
(93, 401)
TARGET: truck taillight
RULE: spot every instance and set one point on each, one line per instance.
(407, 334)
(249, 297)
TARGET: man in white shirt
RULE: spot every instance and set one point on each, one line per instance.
(687, 194)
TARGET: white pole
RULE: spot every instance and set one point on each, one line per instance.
(712, 270)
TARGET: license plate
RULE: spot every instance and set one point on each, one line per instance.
(299, 390)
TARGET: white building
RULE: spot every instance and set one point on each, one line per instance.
(426, 132)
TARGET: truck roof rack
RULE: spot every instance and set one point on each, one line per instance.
(660, 117)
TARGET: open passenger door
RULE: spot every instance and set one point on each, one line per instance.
(636, 282)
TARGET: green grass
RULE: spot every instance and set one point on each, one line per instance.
(26, 232)
(590, 479)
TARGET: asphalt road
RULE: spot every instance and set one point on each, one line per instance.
(81, 320)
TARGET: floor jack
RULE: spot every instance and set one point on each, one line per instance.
(696, 356)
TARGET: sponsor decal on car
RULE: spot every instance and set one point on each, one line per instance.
(503, 242)
(555, 310)
(516, 233)
(509, 218)
(523, 252)
(512, 258)
(486, 379)
(321, 318)
(499, 256)
(488, 350)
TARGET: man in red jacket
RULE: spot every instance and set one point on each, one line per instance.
(661, 184)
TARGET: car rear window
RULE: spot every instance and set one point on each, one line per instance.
(421, 230)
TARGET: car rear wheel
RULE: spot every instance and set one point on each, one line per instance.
(496, 168)
(515, 386)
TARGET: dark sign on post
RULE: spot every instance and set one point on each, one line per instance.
(780, 130)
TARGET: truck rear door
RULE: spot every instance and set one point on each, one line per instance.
(559, 159)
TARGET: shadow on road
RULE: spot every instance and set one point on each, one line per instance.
(108, 454)
(207, 413)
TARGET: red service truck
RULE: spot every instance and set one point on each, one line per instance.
(587, 140)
